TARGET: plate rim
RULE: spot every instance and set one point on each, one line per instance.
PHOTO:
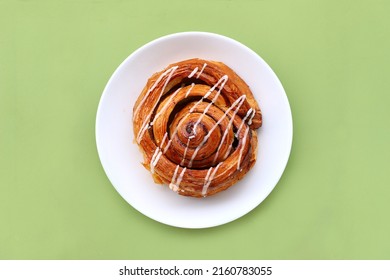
(172, 36)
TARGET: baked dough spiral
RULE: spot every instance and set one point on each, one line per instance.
(195, 123)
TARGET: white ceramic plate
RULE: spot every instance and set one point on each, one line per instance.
(121, 158)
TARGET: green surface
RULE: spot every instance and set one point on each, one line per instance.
(333, 201)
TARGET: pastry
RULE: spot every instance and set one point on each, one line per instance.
(195, 123)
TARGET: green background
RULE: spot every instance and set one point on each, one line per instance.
(333, 201)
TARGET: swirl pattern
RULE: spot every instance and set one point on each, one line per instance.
(195, 123)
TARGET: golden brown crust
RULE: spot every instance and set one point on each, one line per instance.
(195, 123)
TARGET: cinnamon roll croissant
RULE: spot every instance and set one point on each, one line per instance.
(195, 123)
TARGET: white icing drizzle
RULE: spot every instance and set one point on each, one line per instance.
(145, 125)
(206, 182)
(201, 70)
(243, 121)
(242, 147)
(189, 90)
(237, 133)
(181, 177)
(157, 154)
(225, 133)
(176, 179)
(193, 72)
(175, 182)
(185, 151)
(152, 160)
(169, 143)
(165, 106)
(221, 81)
(171, 185)
(251, 118)
(163, 140)
(152, 88)
(209, 177)
(239, 101)
(155, 158)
